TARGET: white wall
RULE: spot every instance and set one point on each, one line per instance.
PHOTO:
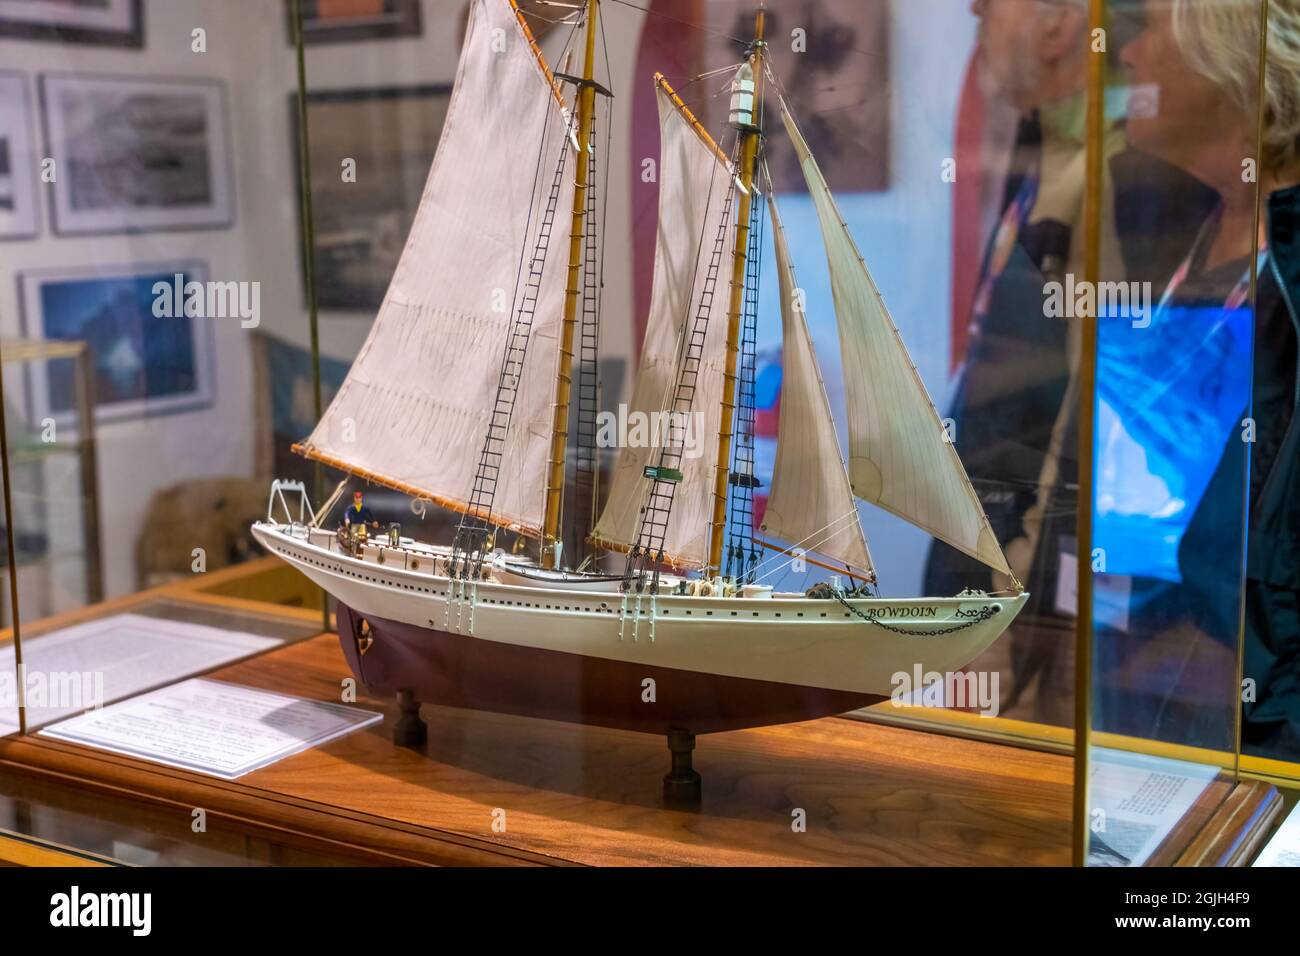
(138, 458)
(906, 233)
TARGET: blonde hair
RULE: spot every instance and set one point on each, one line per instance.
(1219, 39)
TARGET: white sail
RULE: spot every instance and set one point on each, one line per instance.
(414, 409)
(899, 455)
(810, 504)
(693, 188)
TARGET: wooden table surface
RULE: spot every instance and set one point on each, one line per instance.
(870, 794)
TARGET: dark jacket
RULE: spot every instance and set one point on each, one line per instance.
(1011, 394)
(362, 516)
(1015, 379)
(1272, 559)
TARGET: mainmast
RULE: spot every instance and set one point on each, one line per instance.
(746, 115)
(572, 296)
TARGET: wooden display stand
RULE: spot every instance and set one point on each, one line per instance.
(493, 789)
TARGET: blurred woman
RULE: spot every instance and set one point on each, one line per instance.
(1196, 104)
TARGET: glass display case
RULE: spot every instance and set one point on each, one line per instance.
(1194, 379)
(55, 496)
(653, 432)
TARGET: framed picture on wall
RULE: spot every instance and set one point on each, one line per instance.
(148, 357)
(341, 21)
(361, 223)
(19, 195)
(135, 154)
(101, 22)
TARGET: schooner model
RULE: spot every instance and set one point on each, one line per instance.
(462, 396)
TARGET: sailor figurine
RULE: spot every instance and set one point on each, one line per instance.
(359, 515)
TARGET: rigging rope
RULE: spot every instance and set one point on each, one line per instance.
(825, 532)
(604, 218)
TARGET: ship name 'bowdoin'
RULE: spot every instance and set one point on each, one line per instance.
(910, 611)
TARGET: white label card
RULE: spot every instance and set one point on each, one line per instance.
(212, 727)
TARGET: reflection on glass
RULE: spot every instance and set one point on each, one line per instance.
(1017, 272)
(148, 258)
(1187, 453)
(1195, 459)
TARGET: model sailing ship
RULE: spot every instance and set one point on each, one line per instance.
(462, 395)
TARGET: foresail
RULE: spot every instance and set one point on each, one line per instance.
(693, 189)
(414, 408)
(810, 504)
(900, 458)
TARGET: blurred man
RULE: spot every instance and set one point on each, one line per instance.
(1031, 55)
(1014, 400)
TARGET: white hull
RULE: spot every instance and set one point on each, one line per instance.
(786, 639)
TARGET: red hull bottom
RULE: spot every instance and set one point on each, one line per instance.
(438, 667)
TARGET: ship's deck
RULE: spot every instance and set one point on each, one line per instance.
(378, 550)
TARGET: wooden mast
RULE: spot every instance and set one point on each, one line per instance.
(572, 296)
(749, 141)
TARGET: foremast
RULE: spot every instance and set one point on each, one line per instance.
(586, 101)
(406, 392)
(747, 91)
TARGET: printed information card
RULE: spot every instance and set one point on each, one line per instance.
(212, 727)
(88, 665)
(1284, 848)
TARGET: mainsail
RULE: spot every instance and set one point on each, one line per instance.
(693, 191)
(414, 409)
(899, 455)
(811, 503)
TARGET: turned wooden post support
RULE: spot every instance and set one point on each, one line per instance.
(682, 785)
(410, 730)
